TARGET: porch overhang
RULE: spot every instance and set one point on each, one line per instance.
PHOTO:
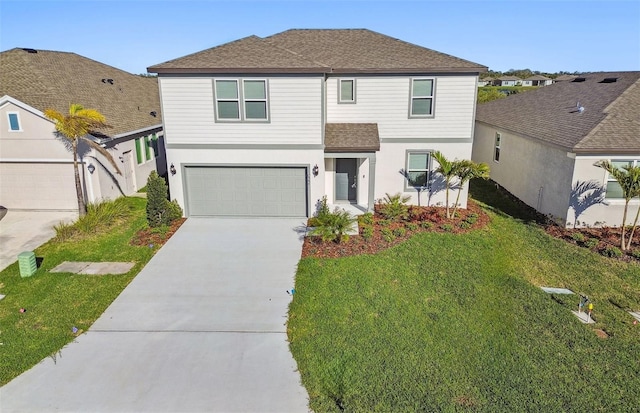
(351, 137)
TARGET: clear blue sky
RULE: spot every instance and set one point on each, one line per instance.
(540, 35)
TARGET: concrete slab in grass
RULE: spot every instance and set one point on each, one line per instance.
(94, 268)
(584, 317)
(635, 314)
(554, 290)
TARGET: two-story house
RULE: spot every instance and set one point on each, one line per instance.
(268, 126)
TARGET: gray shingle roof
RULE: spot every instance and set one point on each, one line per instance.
(50, 79)
(610, 122)
(537, 77)
(351, 137)
(318, 51)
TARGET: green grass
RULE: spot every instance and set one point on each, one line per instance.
(57, 302)
(448, 322)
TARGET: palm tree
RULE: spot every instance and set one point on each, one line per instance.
(448, 169)
(628, 177)
(75, 127)
(467, 170)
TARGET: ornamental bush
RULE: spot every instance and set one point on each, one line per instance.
(160, 211)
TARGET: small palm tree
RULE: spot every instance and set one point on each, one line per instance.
(467, 170)
(448, 169)
(76, 126)
(628, 177)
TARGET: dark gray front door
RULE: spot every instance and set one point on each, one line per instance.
(346, 180)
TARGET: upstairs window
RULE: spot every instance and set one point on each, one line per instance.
(421, 98)
(496, 150)
(347, 91)
(14, 122)
(241, 101)
(418, 168)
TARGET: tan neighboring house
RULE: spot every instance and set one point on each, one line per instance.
(36, 169)
(537, 80)
(485, 81)
(507, 81)
(542, 145)
(269, 126)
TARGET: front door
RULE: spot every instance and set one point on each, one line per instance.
(346, 180)
(129, 174)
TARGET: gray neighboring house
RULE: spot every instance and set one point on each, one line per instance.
(36, 169)
(537, 80)
(268, 126)
(542, 145)
(507, 81)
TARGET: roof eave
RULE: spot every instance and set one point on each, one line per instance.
(235, 70)
(351, 149)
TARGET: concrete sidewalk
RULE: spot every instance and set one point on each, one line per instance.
(200, 329)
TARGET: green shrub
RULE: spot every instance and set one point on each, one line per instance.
(446, 227)
(426, 224)
(591, 243)
(471, 219)
(387, 234)
(465, 225)
(160, 211)
(367, 233)
(99, 217)
(366, 219)
(384, 222)
(412, 226)
(394, 207)
(323, 207)
(612, 252)
(64, 231)
(333, 226)
(400, 232)
(636, 254)
(578, 236)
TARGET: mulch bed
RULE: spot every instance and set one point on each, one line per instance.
(436, 216)
(606, 237)
(154, 237)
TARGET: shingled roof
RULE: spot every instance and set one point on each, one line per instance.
(351, 137)
(609, 124)
(48, 79)
(318, 51)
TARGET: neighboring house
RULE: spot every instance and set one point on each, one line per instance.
(268, 126)
(485, 81)
(507, 81)
(36, 169)
(542, 145)
(537, 80)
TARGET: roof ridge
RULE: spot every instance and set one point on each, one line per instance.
(272, 43)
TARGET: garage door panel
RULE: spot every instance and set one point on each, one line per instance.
(246, 191)
(37, 186)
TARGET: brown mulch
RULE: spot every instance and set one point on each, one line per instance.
(153, 238)
(606, 237)
(357, 245)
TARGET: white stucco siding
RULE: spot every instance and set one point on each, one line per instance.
(537, 174)
(294, 104)
(385, 101)
(393, 157)
(609, 212)
(249, 157)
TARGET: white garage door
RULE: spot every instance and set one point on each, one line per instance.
(37, 186)
(246, 191)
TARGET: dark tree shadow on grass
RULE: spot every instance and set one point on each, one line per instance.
(502, 202)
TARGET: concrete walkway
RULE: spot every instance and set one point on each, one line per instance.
(200, 329)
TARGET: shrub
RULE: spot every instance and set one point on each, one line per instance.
(400, 232)
(384, 222)
(446, 227)
(322, 208)
(99, 217)
(387, 234)
(64, 231)
(591, 242)
(578, 236)
(471, 219)
(412, 226)
(366, 219)
(636, 254)
(367, 233)
(426, 225)
(334, 226)
(612, 252)
(159, 210)
(465, 225)
(394, 207)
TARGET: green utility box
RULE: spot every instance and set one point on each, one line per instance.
(27, 262)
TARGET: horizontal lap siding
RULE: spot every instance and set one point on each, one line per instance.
(385, 101)
(295, 106)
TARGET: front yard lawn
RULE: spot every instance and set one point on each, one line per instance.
(457, 322)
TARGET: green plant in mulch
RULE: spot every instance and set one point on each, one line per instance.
(99, 218)
(446, 227)
(367, 232)
(612, 252)
(394, 207)
(426, 225)
(399, 232)
(577, 236)
(160, 211)
(387, 234)
(591, 243)
(333, 226)
(366, 219)
(412, 226)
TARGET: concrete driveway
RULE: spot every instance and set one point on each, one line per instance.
(200, 329)
(27, 230)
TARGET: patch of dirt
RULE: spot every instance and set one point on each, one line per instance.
(405, 229)
(601, 333)
(154, 236)
(598, 240)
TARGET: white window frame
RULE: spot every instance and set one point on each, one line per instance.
(242, 101)
(408, 170)
(611, 179)
(497, 146)
(353, 90)
(17, 119)
(432, 97)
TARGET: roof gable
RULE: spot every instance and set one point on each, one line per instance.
(318, 51)
(49, 79)
(610, 122)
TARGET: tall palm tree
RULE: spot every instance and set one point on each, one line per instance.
(75, 127)
(448, 169)
(467, 170)
(628, 177)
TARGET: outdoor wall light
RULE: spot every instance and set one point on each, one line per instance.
(91, 168)
(172, 169)
(315, 170)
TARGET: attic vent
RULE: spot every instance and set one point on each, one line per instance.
(109, 81)
(579, 79)
(30, 50)
(609, 80)
(154, 113)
